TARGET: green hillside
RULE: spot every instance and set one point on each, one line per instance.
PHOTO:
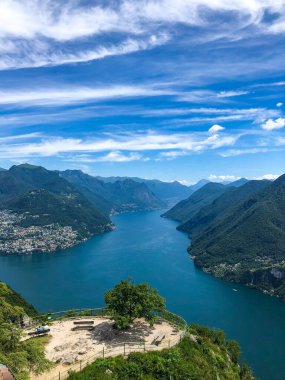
(93, 189)
(213, 211)
(12, 305)
(20, 356)
(200, 198)
(246, 243)
(202, 354)
(32, 196)
(43, 208)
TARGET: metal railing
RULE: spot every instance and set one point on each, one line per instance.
(124, 348)
(117, 349)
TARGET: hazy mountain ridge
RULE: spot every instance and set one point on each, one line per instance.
(200, 198)
(118, 196)
(168, 192)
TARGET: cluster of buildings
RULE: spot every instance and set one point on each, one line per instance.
(15, 238)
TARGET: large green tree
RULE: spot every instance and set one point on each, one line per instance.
(128, 301)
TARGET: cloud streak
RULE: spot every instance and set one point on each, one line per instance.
(73, 95)
(150, 141)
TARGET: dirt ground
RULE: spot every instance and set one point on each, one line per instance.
(67, 346)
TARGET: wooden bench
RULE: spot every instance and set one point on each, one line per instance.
(158, 339)
(83, 322)
(39, 332)
(82, 327)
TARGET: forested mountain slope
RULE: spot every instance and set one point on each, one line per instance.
(213, 211)
(187, 208)
(246, 243)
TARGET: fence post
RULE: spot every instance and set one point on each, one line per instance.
(103, 353)
(169, 343)
(80, 365)
(58, 375)
(124, 349)
(144, 346)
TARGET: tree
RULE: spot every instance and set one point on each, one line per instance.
(128, 301)
(9, 337)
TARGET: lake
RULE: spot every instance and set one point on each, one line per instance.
(149, 248)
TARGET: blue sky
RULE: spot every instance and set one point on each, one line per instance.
(159, 89)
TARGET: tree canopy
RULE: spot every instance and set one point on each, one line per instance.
(128, 301)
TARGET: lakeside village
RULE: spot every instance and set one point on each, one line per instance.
(16, 239)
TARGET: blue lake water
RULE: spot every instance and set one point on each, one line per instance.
(149, 248)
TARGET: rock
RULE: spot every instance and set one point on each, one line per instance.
(61, 347)
(69, 358)
(108, 372)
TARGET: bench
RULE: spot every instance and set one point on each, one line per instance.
(39, 332)
(83, 322)
(82, 327)
(158, 339)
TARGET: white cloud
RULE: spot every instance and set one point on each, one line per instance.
(239, 152)
(34, 59)
(223, 178)
(40, 32)
(229, 94)
(279, 104)
(172, 154)
(70, 95)
(131, 142)
(216, 128)
(271, 124)
(119, 157)
(184, 182)
(270, 177)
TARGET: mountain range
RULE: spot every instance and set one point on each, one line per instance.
(169, 192)
(240, 235)
(43, 210)
(114, 196)
(45, 198)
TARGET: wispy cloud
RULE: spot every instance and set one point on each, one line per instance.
(239, 152)
(130, 142)
(230, 94)
(52, 58)
(51, 26)
(171, 155)
(115, 156)
(72, 95)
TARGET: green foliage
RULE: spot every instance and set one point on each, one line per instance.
(128, 301)
(20, 356)
(12, 306)
(207, 356)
